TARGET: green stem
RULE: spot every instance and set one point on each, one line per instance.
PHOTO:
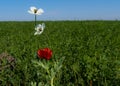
(52, 82)
(47, 71)
(35, 19)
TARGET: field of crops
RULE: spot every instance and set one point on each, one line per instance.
(91, 51)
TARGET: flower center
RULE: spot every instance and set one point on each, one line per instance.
(40, 29)
(35, 10)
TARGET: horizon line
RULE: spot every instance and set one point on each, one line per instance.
(63, 20)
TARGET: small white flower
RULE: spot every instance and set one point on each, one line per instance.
(39, 29)
(34, 10)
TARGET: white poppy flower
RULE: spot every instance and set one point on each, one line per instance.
(34, 10)
(39, 29)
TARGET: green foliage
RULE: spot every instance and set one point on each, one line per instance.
(91, 50)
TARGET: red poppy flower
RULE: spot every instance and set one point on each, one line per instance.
(45, 53)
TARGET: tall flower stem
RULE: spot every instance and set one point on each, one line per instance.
(35, 20)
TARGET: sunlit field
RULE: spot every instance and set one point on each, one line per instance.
(91, 50)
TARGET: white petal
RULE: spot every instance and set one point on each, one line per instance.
(37, 27)
(38, 33)
(29, 11)
(40, 11)
(43, 25)
(35, 33)
(33, 8)
(42, 28)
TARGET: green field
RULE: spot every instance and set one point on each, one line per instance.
(91, 50)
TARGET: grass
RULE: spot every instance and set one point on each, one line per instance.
(91, 50)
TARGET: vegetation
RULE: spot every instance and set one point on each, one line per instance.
(91, 50)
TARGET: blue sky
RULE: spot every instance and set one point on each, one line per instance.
(60, 9)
